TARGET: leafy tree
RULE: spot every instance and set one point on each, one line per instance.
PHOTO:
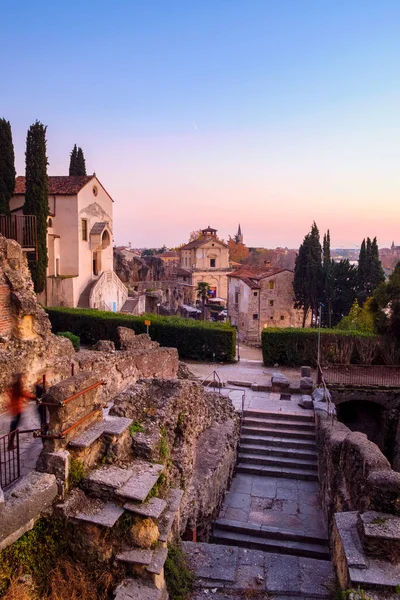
(359, 318)
(36, 199)
(80, 163)
(73, 161)
(237, 251)
(387, 305)
(7, 169)
(308, 275)
(202, 292)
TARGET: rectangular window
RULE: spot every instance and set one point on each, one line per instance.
(212, 262)
(255, 317)
(256, 293)
(271, 302)
(84, 230)
(236, 297)
(282, 318)
(271, 285)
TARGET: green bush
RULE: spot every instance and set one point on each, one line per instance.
(197, 340)
(295, 347)
(179, 579)
(75, 339)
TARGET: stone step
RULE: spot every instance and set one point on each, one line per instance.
(286, 416)
(279, 424)
(249, 448)
(270, 532)
(108, 426)
(295, 548)
(153, 560)
(281, 461)
(171, 512)
(277, 442)
(134, 589)
(132, 483)
(152, 508)
(278, 432)
(271, 471)
(98, 512)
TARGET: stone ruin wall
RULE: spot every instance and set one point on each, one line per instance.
(26, 342)
(354, 474)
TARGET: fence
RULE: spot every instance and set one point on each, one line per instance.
(21, 228)
(360, 375)
(10, 468)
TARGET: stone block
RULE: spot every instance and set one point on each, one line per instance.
(306, 383)
(126, 337)
(380, 535)
(305, 371)
(279, 382)
(56, 463)
(306, 401)
(104, 346)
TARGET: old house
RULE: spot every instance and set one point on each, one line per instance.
(79, 244)
(207, 258)
(261, 298)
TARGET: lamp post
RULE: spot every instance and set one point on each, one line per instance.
(158, 308)
(319, 333)
(237, 326)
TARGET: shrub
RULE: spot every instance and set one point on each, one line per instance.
(197, 340)
(295, 347)
(75, 339)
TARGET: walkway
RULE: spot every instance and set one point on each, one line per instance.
(270, 536)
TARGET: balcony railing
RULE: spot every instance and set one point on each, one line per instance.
(22, 229)
(361, 375)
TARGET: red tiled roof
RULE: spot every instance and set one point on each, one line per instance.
(251, 276)
(62, 185)
(201, 242)
(168, 254)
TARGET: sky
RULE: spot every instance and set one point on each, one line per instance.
(267, 113)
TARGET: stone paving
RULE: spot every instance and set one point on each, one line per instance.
(276, 502)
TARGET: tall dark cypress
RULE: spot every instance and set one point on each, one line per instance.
(308, 280)
(36, 199)
(80, 163)
(370, 272)
(7, 168)
(73, 161)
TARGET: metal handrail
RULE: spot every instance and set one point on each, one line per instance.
(321, 383)
(10, 464)
(214, 376)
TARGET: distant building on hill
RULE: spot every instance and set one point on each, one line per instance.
(207, 258)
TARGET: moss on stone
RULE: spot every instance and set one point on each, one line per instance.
(178, 576)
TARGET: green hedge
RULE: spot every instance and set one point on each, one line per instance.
(74, 339)
(197, 340)
(295, 347)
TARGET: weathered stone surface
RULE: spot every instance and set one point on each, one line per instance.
(27, 344)
(100, 513)
(104, 346)
(56, 463)
(136, 556)
(25, 502)
(305, 372)
(144, 533)
(1, 501)
(146, 444)
(184, 372)
(130, 341)
(106, 480)
(131, 589)
(212, 561)
(185, 411)
(152, 508)
(158, 560)
(306, 402)
(279, 382)
(380, 535)
(144, 476)
(306, 383)
(170, 519)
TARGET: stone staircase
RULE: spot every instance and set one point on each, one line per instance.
(125, 490)
(129, 305)
(278, 445)
(83, 301)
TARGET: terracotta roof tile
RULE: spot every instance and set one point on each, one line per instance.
(63, 185)
(252, 276)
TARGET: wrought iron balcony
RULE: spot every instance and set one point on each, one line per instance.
(22, 229)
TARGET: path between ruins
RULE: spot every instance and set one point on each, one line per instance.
(270, 538)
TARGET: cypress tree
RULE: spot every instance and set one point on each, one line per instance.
(370, 272)
(80, 163)
(7, 168)
(73, 161)
(36, 199)
(308, 275)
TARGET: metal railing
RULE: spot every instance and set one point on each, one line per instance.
(213, 380)
(21, 228)
(10, 467)
(322, 383)
(361, 375)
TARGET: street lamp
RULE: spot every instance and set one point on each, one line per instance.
(319, 333)
(158, 308)
(237, 326)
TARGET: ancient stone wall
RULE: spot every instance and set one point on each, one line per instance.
(195, 432)
(353, 472)
(26, 342)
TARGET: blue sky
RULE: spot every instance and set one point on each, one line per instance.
(269, 112)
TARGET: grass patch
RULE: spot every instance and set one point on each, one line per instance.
(77, 473)
(178, 576)
(136, 427)
(379, 521)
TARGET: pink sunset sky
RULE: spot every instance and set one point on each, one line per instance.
(269, 114)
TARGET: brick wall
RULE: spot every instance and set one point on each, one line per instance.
(6, 320)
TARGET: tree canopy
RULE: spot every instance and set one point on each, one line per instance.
(77, 163)
(36, 199)
(308, 274)
(7, 168)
